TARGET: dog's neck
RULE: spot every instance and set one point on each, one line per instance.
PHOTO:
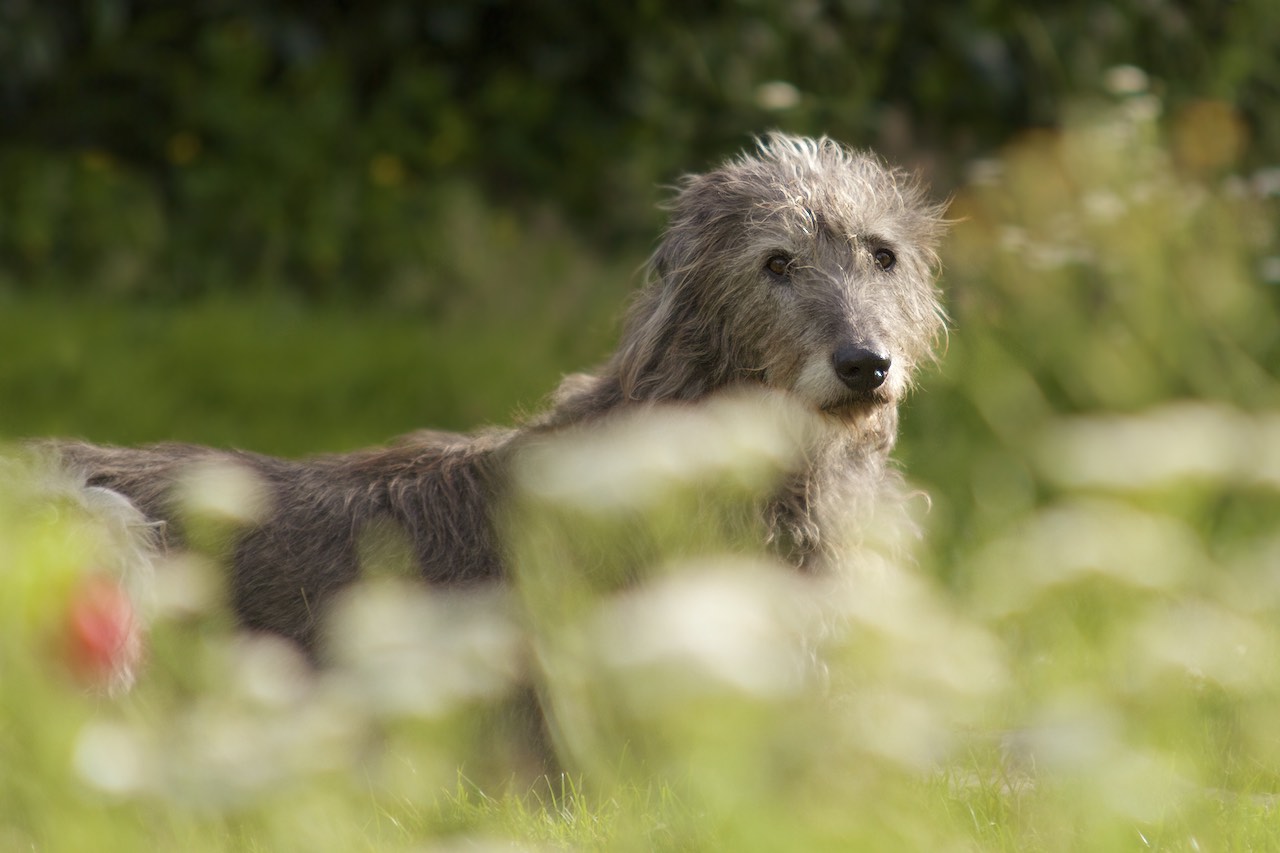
(826, 508)
(820, 509)
(584, 398)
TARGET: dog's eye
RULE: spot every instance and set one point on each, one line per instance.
(779, 265)
(885, 259)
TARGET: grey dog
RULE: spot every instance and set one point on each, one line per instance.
(804, 267)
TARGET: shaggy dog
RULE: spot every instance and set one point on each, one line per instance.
(804, 267)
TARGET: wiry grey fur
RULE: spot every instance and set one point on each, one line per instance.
(712, 315)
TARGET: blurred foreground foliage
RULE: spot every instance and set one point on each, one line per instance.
(1082, 653)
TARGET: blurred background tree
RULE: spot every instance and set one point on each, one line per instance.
(319, 149)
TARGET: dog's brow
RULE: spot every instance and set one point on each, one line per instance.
(870, 240)
(822, 224)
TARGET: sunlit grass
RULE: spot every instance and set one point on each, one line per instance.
(320, 377)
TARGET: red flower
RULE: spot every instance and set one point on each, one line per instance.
(103, 645)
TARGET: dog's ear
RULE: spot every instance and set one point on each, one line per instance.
(647, 338)
(696, 216)
(660, 263)
(661, 348)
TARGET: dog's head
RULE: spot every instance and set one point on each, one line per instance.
(804, 266)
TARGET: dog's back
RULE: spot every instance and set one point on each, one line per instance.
(314, 519)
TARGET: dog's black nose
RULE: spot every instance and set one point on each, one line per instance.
(861, 369)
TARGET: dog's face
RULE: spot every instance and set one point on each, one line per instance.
(809, 268)
(840, 333)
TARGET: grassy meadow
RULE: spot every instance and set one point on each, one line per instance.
(1080, 652)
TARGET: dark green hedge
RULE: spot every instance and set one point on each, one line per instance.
(154, 147)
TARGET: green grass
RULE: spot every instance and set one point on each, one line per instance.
(314, 378)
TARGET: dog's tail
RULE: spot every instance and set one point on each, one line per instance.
(111, 565)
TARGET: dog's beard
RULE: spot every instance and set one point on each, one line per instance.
(854, 408)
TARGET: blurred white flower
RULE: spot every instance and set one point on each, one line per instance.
(1208, 641)
(636, 460)
(1197, 441)
(187, 584)
(1082, 539)
(777, 95)
(222, 490)
(732, 623)
(1126, 80)
(405, 650)
(112, 757)
(901, 725)
(1072, 732)
(269, 671)
(1077, 736)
